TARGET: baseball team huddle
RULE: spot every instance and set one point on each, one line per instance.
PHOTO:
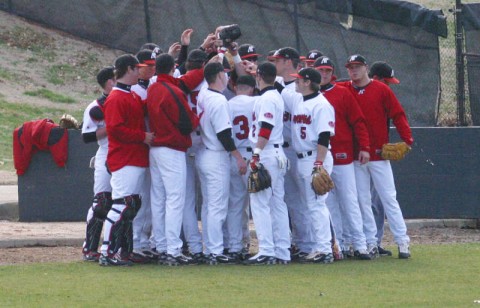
(281, 141)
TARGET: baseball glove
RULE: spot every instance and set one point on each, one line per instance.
(321, 181)
(259, 179)
(395, 151)
(67, 121)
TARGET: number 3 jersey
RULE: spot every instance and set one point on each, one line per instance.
(268, 108)
(241, 108)
(311, 115)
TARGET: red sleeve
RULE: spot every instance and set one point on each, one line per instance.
(397, 114)
(192, 78)
(116, 116)
(356, 119)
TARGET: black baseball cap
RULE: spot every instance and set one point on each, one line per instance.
(286, 53)
(247, 51)
(313, 55)
(383, 71)
(308, 74)
(247, 80)
(267, 69)
(105, 74)
(323, 62)
(126, 60)
(197, 55)
(146, 56)
(356, 59)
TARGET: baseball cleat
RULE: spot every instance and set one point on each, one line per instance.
(215, 259)
(181, 259)
(162, 258)
(151, 254)
(260, 260)
(139, 258)
(362, 255)
(199, 257)
(114, 260)
(318, 257)
(92, 256)
(373, 251)
(383, 252)
(403, 251)
(299, 256)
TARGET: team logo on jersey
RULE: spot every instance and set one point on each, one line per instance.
(268, 115)
(341, 155)
(360, 92)
(331, 124)
(302, 118)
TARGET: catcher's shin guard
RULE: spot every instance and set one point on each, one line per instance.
(102, 202)
(131, 205)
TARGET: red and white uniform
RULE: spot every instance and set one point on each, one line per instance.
(127, 156)
(302, 237)
(168, 161)
(190, 222)
(269, 210)
(240, 107)
(342, 201)
(212, 162)
(379, 104)
(101, 175)
(312, 115)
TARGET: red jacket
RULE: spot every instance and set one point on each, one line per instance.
(32, 137)
(349, 125)
(124, 119)
(379, 104)
(164, 114)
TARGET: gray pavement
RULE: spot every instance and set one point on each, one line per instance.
(23, 234)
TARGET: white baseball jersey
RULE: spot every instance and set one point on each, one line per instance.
(310, 117)
(90, 125)
(241, 109)
(268, 108)
(287, 115)
(214, 117)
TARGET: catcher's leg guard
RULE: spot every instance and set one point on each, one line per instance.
(131, 205)
(102, 203)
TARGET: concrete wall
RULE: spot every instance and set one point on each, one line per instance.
(438, 179)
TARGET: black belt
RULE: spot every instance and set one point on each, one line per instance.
(285, 145)
(304, 154)
(197, 132)
(276, 146)
(249, 149)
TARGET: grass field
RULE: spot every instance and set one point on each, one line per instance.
(436, 276)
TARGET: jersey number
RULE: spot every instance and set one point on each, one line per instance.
(303, 132)
(242, 123)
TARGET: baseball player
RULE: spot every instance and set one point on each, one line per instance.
(94, 130)
(196, 60)
(248, 52)
(142, 224)
(269, 211)
(350, 124)
(240, 107)
(311, 57)
(287, 60)
(313, 123)
(379, 104)
(213, 159)
(382, 72)
(127, 159)
(172, 121)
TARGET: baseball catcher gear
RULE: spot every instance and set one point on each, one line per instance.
(395, 151)
(259, 179)
(67, 121)
(321, 181)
